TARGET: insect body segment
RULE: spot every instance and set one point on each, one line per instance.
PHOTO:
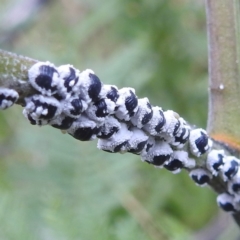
(7, 97)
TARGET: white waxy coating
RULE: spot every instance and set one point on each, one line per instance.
(38, 107)
(35, 71)
(171, 121)
(84, 84)
(200, 176)
(122, 112)
(121, 137)
(150, 127)
(204, 145)
(65, 72)
(68, 107)
(82, 122)
(7, 97)
(160, 148)
(143, 109)
(138, 136)
(226, 201)
(110, 124)
(230, 167)
(181, 156)
(106, 88)
(215, 161)
(92, 109)
(234, 185)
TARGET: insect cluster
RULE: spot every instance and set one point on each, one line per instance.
(80, 104)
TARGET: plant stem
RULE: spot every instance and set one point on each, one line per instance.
(224, 84)
(223, 28)
(14, 73)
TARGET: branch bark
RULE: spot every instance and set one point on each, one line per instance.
(14, 73)
(223, 28)
(224, 59)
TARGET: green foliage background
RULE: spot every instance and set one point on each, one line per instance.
(54, 187)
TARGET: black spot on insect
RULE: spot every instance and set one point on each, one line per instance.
(102, 109)
(44, 79)
(201, 180)
(77, 107)
(72, 77)
(176, 128)
(149, 146)
(236, 187)
(109, 134)
(65, 124)
(219, 163)
(139, 147)
(131, 103)
(118, 148)
(31, 120)
(182, 138)
(113, 94)
(148, 116)
(174, 165)
(232, 170)
(228, 207)
(202, 142)
(8, 98)
(161, 122)
(160, 160)
(85, 133)
(51, 109)
(95, 87)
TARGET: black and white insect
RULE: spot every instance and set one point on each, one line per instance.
(144, 113)
(84, 129)
(234, 185)
(158, 154)
(179, 159)
(155, 125)
(41, 109)
(118, 141)
(172, 124)
(7, 97)
(182, 135)
(109, 92)
(99, 110)
(44, 77)
(199, 142)
(200, 176)
(137, 141)
(230, 167)
(89, 86)
(110, 126)
(215, 161)
(227, 203)
(127, 104)
(69, 80)
(62, 122)
(73, 106)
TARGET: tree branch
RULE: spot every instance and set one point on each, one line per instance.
(224, 86)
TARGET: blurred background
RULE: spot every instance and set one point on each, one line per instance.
(55, 187)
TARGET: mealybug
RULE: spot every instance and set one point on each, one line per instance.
(199, 142)
(127, 104)
(227, 203)
(215, 161)
(144, 113)
(44, 77)
(7, 97)
(200, 176)
(118, 141)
